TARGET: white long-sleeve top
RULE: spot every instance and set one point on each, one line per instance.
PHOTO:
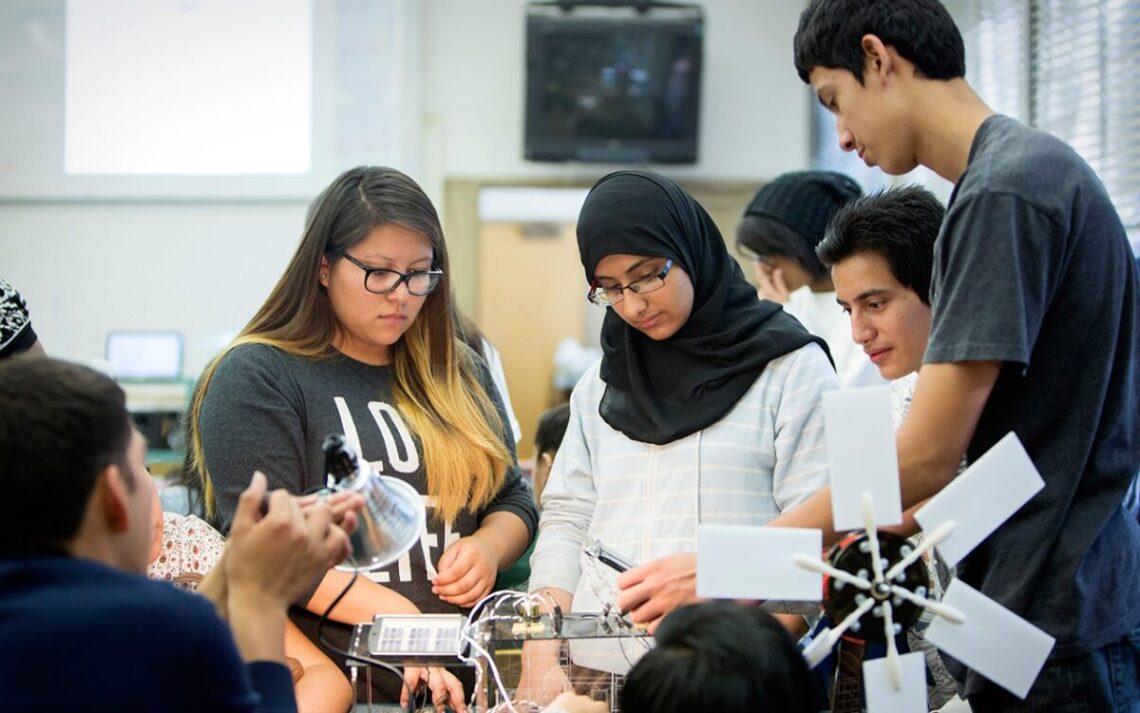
(641, 500)
(821, 315)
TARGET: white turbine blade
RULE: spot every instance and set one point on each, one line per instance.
(817, 565)
(992, 640)
(938, 608)
(738, 562)
(928, 543)
(872, 536)
(908, 697)
(862, 455)
(894, 674)
(982, 498)
(825, 640)
(818, 649)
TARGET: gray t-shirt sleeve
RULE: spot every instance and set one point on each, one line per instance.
(992, 280)
(252, 419)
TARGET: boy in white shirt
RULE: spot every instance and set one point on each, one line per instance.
(880, 249)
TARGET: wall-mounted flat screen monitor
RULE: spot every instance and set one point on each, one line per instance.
(613, 84)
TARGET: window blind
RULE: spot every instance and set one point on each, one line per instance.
(1067, 67)
(1086, 54)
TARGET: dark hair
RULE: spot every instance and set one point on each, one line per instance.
(61, 424)
(830, 35)
(900, 225)
(551, 428)
(721, 656)
(468, 332)
(762, 236)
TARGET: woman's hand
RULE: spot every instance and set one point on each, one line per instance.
(446, 690)
(467, 572)
(654, 589)
(772, 285)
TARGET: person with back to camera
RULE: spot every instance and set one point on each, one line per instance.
(1035, 329)
(358, 337)
(185, 549)
(880, 250)
(74, 605)
(705, 408)
(722, 657)
(780, 230)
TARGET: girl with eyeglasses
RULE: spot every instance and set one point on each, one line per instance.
(705, 408)
(358, 337)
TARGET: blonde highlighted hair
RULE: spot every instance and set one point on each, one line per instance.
(435, 383)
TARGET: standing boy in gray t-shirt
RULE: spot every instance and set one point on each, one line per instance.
(1036, 330)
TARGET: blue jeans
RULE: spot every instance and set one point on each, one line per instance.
(1104, 681)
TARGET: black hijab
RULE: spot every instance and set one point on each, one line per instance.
(658, 392)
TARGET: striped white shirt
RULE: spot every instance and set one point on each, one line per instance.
(641, 500)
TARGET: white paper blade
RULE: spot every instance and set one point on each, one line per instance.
(739, 562)
(862, 455)
(982, 498)
(882, 696)
(992, 640)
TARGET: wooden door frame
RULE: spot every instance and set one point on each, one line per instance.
(724, 200)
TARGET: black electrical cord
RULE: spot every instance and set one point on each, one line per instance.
(413, 702)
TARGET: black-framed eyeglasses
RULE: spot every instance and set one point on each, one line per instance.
(381, 280)
(609, 296)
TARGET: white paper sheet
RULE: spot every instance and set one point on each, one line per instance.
(992, 640)
(861, 451)
(738, 562)
(982, 498)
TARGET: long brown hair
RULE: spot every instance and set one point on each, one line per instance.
(435, 385)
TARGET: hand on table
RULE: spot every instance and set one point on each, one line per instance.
(446, 690)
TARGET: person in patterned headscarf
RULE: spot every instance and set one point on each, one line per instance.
(16, 333)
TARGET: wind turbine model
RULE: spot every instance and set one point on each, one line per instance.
(875, 586)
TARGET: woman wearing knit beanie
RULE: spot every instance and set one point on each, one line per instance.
(780, 229)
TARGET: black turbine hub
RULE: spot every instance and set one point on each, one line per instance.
(854, 557)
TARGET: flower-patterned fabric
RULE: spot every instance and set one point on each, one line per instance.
(190, 549)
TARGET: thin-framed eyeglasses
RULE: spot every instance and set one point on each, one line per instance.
(609, 296)
(766, 260)
(381, 280)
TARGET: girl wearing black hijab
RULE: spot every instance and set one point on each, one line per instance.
(705, 407)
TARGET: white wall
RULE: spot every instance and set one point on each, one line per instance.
(87, 268)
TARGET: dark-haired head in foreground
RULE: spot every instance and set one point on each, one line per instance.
(722, 657)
